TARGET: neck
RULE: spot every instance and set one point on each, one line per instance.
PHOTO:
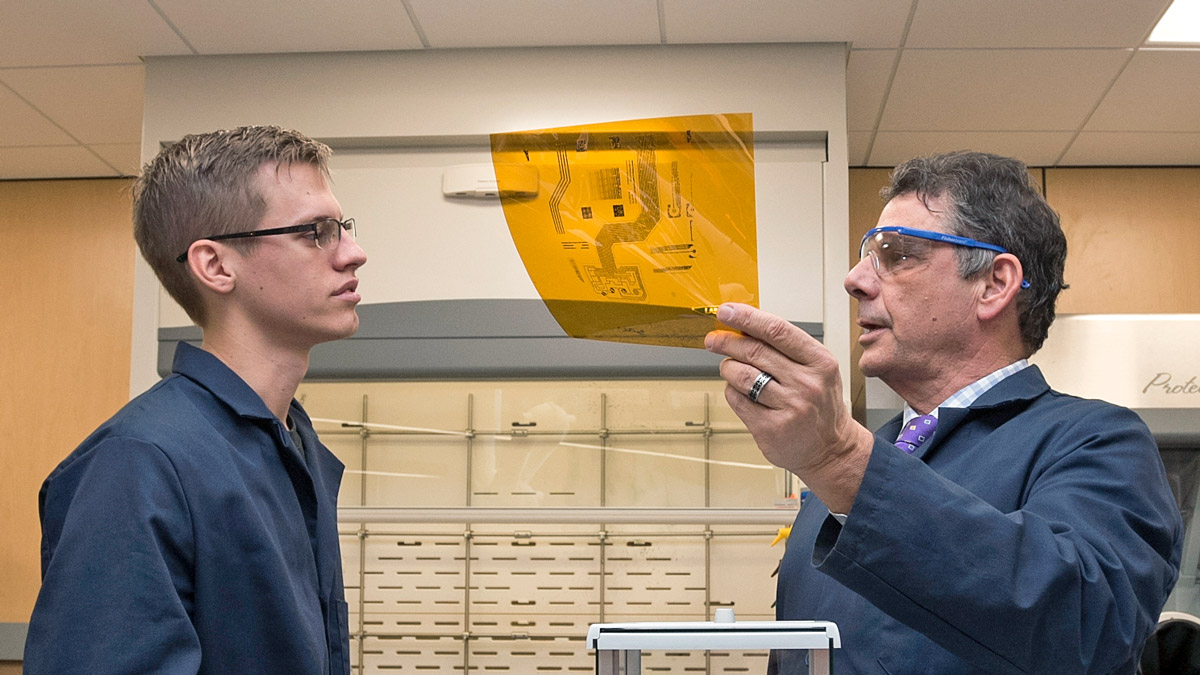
(274, 373)
(925, 395)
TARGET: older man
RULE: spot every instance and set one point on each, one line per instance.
(996, 526)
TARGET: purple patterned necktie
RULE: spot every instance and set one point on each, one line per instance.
(916, 432)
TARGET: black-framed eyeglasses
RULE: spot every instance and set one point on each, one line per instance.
(325, 232)
(893, 248)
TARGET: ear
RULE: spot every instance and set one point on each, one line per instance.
(1000, 286)
(212, 266)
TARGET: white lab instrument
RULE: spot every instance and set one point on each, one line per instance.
(618, 645)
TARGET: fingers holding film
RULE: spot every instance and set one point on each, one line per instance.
(774, 331)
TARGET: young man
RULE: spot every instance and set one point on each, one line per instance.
(195, 531)
(1010, 528)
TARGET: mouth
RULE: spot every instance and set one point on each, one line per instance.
(348, 291)
(870, 327)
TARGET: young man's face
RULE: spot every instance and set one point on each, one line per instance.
(918, 321)
(297, 294)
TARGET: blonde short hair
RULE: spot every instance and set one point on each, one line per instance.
(205, 185)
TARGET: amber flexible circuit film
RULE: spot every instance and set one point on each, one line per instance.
(634, 231)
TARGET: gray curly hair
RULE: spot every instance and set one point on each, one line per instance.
(993, 199)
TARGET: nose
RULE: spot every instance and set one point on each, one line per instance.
(349, 253)
(862, 281)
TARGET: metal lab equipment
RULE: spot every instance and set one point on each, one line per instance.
(619, 645)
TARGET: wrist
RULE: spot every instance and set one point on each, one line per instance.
(837, 479)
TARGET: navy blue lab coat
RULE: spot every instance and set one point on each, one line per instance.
(1035, 532)
(188, 535)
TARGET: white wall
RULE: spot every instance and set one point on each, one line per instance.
(1135, 360)
(451, 100)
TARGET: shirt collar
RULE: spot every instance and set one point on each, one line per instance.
(963, 398)
(211, 373)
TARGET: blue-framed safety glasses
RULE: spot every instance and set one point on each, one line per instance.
(893, 248)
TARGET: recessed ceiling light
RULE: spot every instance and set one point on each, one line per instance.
(1180, 25)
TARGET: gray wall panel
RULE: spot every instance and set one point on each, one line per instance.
(478, 339)
(12, 641)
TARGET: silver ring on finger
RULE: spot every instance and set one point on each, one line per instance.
(760, 383)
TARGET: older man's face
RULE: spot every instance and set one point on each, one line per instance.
(918, 318)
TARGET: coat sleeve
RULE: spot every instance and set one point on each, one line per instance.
(1069, 582)
(117, 555)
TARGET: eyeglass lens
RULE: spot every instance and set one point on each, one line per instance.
(329, 232)
(892, 251)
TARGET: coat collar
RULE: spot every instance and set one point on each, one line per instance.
(1024, 385)
(211, 373)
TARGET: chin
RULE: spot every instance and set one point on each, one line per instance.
(339, 331)
(348, 331)
(876, 369)
(868, 366)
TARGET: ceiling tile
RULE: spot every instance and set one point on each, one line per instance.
(1033, 23)
(863, 23)
(75, 32)
(867, 75)
(57, 161)
(1158, 91)
(124, 157)
(536, 23)
(1115, 148)
(282, 26)
(21, 124)
(857, 144)
(95, 104)
(1033, 148)
(972, 74)
(998, 90)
